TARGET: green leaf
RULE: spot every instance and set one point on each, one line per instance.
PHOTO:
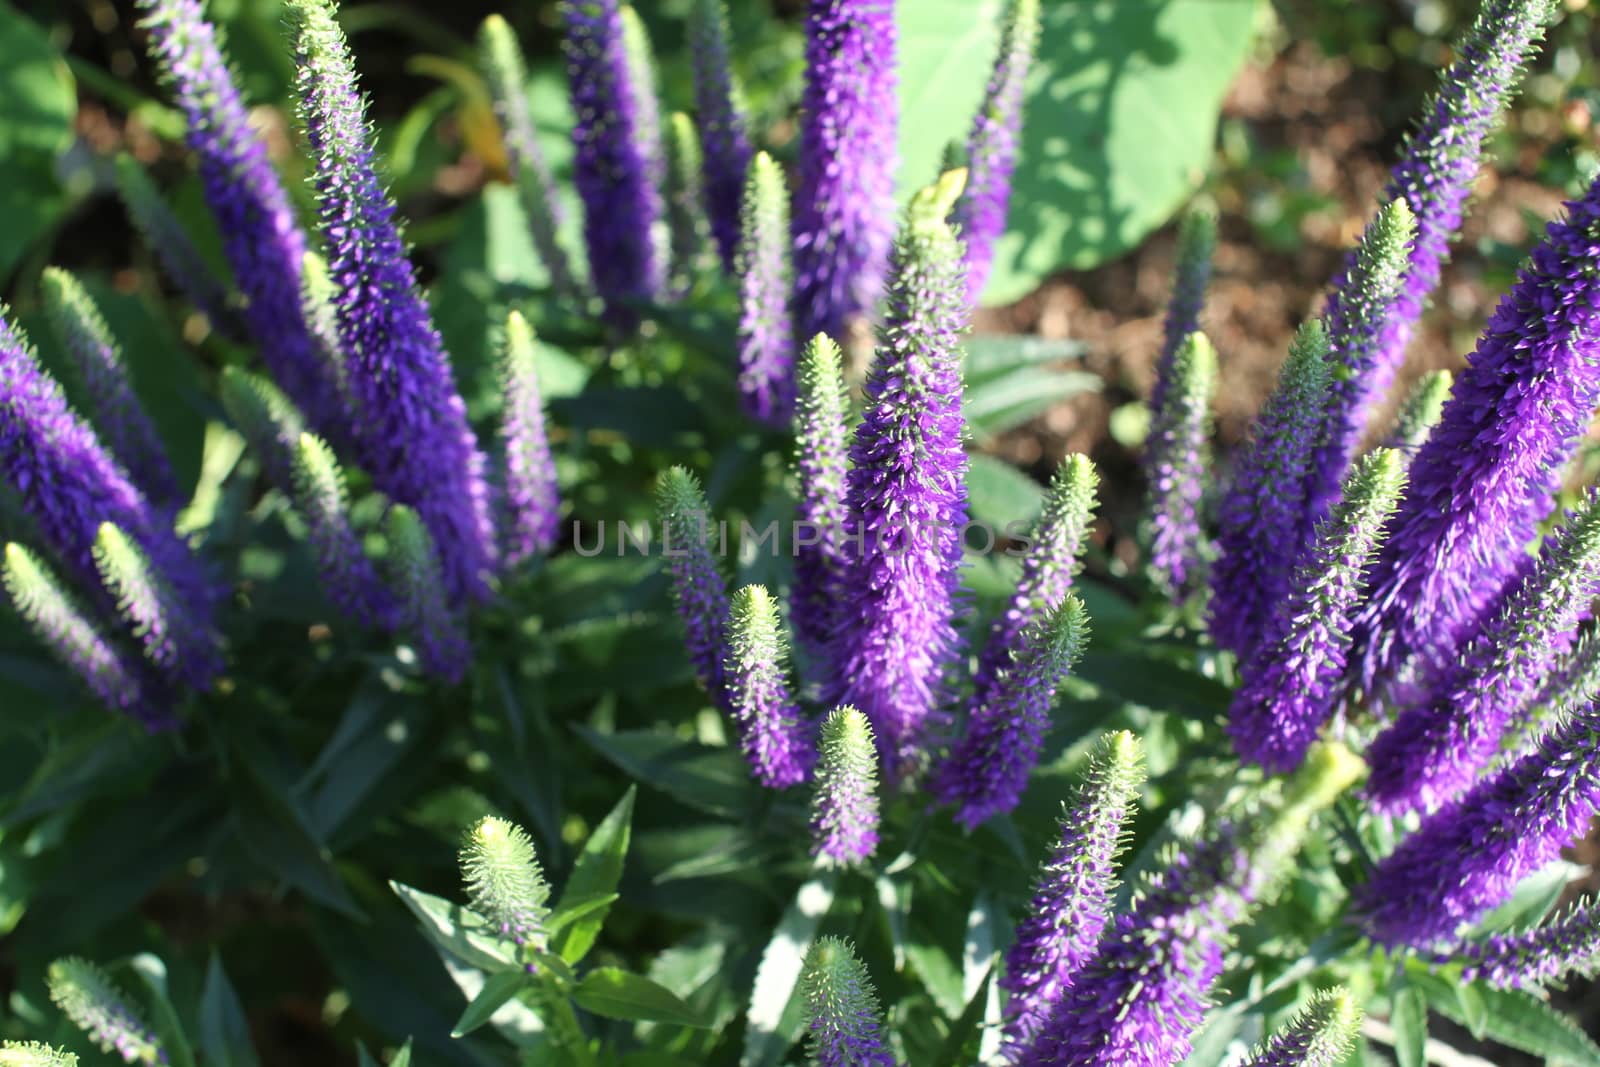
(453, 930)
(1533, 899)
(1531, 1025)
(1119, 126)
(619, 994)
(1409, 1017)
(152, 971)
(224, 1031)
(770, 1027)
(1002, 497)
(570, 913)
(597, 874)
(41, 102)
(1012, 399)
(710, 779)
(991, 356)
(278, 836)
(496, 991)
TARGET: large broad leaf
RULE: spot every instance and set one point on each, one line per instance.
(1120, 123)
(39, 101)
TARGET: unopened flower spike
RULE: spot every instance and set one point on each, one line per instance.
(33, 1054)
(1180, 437)
(907, 498)
(1470, 855)
(1562, 948)
(1512, 423)
(993, 145)
(1197, 243)
(719, 113)
(505, 882)
(844, 808)
(67, 482)
(844, 206)
(348, 576)
(1048, 568)
(268, 420)
(167, 238)
(766, 330)
(698, 588)
(1320, 1035)
(1437, 747)
(1290, 685)
(1072, 892)
(845, 1023)
(414, 438)
(98, 361)
(1573, 682)
(318, 296)
(1437, 167)
(532, 496)
(180, 645)
(1421, 412)
(508, 86)
(260, 236)
(613, 168)
(642, 71)
(1356, 327)
(87, 996)
(422, 611)
(773, 734)
(988, 769)
(73, 636)
(1262, 518)
(686, 220)
(1139, 999)
(821, 462)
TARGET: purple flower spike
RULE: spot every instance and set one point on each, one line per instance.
(698, 587)
(775, 739)
(616, 165)
(69, 485)
(533, 499)
(846, 1025)
(178, 256)
(1180, 435)
(1468, 856)
(1421, 412)
(1138, 1001)
(1291, 683)
(844, 808)
(1563, 948)
(1321, 1035)
(1262, 517)
(1435, 749)
(116, 410)
(1048, 569)
(266, 418)
(766, 331)
(180, 645)
(87, 996)
(422, 612)
(989, 767)
(821, 463)
(687, 226)
(508, 85)
(71, 634)
(262, 240)
(348, 577)
(1573, 682)
(992, 145)
(414, 437)
(1356, 324)
(907, 496)
(1434, 176)
(844, 207)
(720, 114)
(1197, 243)
(1071, 896)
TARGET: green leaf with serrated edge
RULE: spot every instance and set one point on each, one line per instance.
(1002, 498)
(1009, 401)
(619, 994)
(1531, 1025)
(1409, 1019)
(986, 357)
(454, 929)
(497, 990)
(765, 1038)
(597, 872)
(710, 779)
(152, 971)
(224, 1031)
(1534, 898)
